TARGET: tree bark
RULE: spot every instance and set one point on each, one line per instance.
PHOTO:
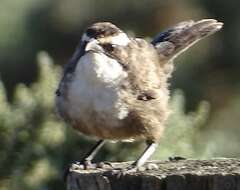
(214, 174)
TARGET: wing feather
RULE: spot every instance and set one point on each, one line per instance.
(180, 37)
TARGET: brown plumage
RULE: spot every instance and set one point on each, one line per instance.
(116, 87)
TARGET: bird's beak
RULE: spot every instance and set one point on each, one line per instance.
(93, 45)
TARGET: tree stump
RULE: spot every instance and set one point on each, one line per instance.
(214, 174)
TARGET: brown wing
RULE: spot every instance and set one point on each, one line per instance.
(145, 90)
(177, 39)
(142, 63)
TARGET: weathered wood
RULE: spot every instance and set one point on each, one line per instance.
(214, 174)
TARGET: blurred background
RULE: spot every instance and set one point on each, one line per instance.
(37, 37)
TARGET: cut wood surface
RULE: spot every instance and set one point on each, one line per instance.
(213, 174)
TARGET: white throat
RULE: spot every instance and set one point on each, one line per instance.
(95, 89)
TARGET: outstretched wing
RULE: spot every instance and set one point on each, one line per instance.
(177, 39)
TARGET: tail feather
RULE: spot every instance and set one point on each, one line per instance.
(177, 39)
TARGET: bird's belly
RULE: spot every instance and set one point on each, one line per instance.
(93, 104)
(97, 112)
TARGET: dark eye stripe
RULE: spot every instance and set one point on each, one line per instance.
(93, 32)
(108, 47)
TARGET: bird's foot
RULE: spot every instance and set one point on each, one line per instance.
(152, 166)
(121, 172)
(85, 165)
(105, 165)
(176, 158)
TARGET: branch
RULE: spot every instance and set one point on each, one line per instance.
(214, 174)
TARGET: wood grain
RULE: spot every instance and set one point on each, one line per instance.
(214, 174)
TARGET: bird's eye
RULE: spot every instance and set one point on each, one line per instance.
(95, 32)
(108, 47)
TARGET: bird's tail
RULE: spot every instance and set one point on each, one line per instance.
(180, 37)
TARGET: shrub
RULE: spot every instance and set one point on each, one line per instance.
(36, 145)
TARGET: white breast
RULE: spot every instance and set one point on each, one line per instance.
(94, 89)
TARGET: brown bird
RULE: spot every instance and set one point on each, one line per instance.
(116, 87)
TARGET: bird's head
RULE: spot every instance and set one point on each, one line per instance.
(103, 34)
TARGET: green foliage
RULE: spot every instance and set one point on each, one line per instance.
(30, 132)
(36, 145)
(224, 131)
(184, 131)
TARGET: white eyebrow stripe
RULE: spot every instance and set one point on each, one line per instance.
(121, 39)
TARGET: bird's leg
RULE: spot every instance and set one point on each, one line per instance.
(150, 149)
(86, 161)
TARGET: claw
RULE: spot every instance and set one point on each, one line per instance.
(105, 165)
(152, 166)
(88, 165)
(78, 166)
(121, 172)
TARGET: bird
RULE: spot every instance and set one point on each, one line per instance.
(116, 87)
